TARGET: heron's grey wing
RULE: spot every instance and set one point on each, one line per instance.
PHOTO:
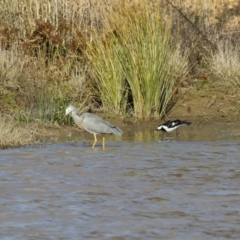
(96, 124)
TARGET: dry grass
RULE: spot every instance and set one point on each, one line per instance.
(223, 65)
(14, 135)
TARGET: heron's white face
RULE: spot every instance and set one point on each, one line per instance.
(69, 109)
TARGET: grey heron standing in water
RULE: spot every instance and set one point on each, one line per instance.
(93, 124)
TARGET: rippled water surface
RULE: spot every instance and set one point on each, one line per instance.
(138, 188)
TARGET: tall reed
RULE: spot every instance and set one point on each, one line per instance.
(107, 74)
(140, 50)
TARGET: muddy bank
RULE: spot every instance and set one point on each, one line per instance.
(210, 106)
(145, 132)
(214, 116)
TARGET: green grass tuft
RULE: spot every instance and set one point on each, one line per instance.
(136, 64)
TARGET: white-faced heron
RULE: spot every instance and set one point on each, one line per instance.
(93, 124)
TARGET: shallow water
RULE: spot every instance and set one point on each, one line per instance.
(140, 187)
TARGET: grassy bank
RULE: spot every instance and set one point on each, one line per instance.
(14, 134)
(133, 58)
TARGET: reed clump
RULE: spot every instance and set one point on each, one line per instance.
(136, 63)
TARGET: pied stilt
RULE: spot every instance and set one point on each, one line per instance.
(170, 126)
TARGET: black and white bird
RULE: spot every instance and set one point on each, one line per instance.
(170, 126)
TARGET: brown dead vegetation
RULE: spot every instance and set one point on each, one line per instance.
(13, 134)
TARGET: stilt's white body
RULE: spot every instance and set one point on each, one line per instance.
(170, 126)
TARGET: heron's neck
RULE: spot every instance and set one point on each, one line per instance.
(76, 118)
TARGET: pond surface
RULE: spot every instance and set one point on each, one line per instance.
(140, 187)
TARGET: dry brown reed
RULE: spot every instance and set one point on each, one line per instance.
(223, 65)
(13, 135)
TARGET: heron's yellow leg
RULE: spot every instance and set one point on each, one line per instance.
(95, 141)
(103, 142)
